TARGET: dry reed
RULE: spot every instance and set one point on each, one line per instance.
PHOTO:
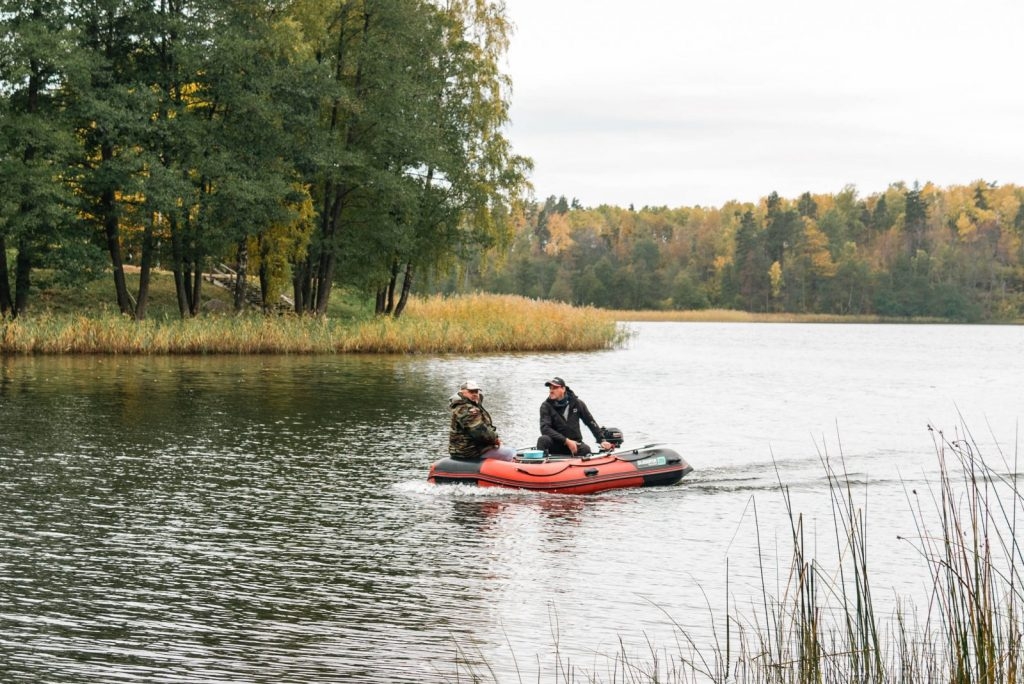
(465, 324)
(734, 316)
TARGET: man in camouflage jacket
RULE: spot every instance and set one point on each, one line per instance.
(472, 434)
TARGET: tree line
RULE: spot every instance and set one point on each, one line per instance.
(308, 143)
(955, 253)
(359, 143)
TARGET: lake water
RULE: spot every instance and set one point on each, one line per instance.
(266, 519)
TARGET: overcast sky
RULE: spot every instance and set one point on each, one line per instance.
(683, 103)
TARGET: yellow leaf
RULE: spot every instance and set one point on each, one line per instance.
(965, 227)
(560, 232)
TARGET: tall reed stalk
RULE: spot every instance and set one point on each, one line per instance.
(976, 564)
(826, 627)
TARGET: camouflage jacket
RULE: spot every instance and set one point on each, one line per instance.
(471, 431)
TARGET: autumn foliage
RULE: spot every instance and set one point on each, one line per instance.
(955, 253)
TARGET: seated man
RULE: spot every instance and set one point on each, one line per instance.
(472, 434)
(560, 417)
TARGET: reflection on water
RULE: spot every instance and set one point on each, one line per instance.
(251, 519)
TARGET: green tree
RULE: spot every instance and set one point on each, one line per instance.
(844, 220)
(688, 293)
(812, 267)
(254, 95)
(848, 292)
(880, 219)
(750, 267)
(413, 169)
(472, 179)
(113, 109)
(807, 207)
(590, 288)
(38, 57)
(782, 228)
(647, 286)
(168, 55)
(915, 219)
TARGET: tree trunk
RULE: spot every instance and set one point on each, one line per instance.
(178, 261)
(22, 272)
(392, 282)
(179, 291)
(6, 305)
(329, 229)
(324, 287)
(197, 282)
(23, 262)
(406, 289)
(186, 286)
(112, 231)
(241, 268)
(325, 278)
(264, 275)
(264, 288)
(302, 286)
(182, 272)
(145, 269)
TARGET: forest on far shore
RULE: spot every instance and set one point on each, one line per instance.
(954, 253)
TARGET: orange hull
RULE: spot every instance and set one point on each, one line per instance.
(649, 466)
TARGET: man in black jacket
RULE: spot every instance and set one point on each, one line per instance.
(560, 417)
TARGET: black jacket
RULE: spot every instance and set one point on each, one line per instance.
(561, 424)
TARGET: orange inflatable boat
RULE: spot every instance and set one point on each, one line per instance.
(648, 466)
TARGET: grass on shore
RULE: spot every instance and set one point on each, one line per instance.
(466, 324)
(83, 320)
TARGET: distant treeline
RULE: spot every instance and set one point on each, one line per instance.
(955, 252)
(305, 144)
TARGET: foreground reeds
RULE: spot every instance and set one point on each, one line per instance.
(466, 324)
(825, 626)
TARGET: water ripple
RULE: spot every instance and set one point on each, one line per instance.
(269, 520)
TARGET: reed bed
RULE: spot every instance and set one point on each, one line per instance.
(824, 625)
(733, 316)
(466, 324)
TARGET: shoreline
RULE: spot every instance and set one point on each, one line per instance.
(733, 316)
(466, 324)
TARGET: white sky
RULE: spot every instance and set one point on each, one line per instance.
(685, 102)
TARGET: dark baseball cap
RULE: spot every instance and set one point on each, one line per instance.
(555, 382)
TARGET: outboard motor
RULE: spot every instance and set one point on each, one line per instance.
(613, 435)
